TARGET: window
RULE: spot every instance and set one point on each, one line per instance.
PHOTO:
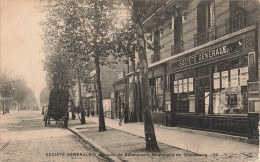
(237, 16)
(156, 56)
(205, 22)
(156, 42)
(183, 87)
(178, 43)
(205, 15)
(230, 87)
(156, 86)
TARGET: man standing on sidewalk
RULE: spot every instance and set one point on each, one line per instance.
(126, 110)
(122, 114)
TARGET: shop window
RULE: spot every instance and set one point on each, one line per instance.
(203, 94)
(184, 88)
(230, 87)
(159, 85)
(156, 86)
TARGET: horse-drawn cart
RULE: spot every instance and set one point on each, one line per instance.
(58, 107)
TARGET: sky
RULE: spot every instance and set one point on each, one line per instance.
(20, 42)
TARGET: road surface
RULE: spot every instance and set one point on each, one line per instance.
(24, 138)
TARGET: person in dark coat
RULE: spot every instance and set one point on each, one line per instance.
(43, 110)
(92, 113)
(126, 114)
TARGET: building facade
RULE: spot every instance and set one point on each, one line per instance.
(204, 66)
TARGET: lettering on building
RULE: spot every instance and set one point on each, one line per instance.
(208, 55)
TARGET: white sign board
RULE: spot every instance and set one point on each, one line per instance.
(185, 85)
(180, 86)
(216, 80)
(224, 79)
(190, 84)
(175, 86)
(192, 103)
(234, 77)
(243, 76)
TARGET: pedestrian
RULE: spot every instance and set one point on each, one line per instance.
(92, 113)
(42, 110)
(45, 113)
(122, 114)
(126, 110)
(88, 112)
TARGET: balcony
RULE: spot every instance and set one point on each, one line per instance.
(236, 20)
(177, 48)
(155, 58)
(204, 36)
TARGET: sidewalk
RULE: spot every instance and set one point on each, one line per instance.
(126, 143)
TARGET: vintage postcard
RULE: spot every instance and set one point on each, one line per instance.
(129, 80)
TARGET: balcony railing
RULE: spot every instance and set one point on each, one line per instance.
(177, 48)
(204, 36)
(236, 20)
(155, 58)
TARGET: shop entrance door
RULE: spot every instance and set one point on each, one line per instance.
(203, 85)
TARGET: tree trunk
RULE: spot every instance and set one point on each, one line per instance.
(102, 125)
(83, 120)
(73, 112)
(72, 104)
(3, 106)
(151, 143)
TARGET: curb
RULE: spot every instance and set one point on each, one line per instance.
(103, 152)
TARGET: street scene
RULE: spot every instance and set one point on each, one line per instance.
(129, 80)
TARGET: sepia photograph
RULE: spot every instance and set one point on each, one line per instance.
(129, 80)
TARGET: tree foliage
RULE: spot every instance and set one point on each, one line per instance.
(77, 35)
(6, 85)
(14, 88)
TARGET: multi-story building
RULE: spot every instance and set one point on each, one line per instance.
(204, 66)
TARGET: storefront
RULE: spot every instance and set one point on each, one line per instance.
(209, 87)
(160, 95)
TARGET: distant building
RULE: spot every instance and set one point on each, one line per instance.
(107, 76)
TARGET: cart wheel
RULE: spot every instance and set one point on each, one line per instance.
(65, 122)
(45, 121)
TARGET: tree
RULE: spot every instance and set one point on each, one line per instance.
(6, 89)
(21, 91)
(103, 27)
(13, 89)
(137, 17)
(68, 53)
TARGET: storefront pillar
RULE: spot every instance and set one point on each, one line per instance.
(173, 101)
(253, 132)
(164, 95)
(211, 96)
